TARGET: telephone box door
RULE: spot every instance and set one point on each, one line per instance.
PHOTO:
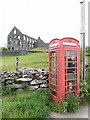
(71, 62)
(54, 73)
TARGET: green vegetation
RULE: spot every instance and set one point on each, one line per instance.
(3, 49)
(38, 104)
(43, 49)
(33, 60)
(26, 105)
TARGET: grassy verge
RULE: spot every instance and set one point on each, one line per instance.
(26, 105)
(33, 60)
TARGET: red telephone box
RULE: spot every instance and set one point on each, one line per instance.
(63, 67)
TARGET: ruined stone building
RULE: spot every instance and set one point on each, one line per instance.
(19, 41)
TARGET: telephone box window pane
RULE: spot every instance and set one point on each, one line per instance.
(65, 83)
(51, 64)
(54, 93)
(65, 95)
(70, 52)
(65, 58)
(76, 64)
(76, 58)
(76, 53)
(71, 76)
(53, 58)
(65, 71)
(54, 64)
(76, 70)
(53, 87)
(53, 81)
(76, 75)
(65, 77)
(71, 64)
(71, 88)
(65, 89)
(72, 82)
(53, 70)
(76, 87)
(70, 70)
(65, 64)
(53, 76)
(65, 52)
(76, 81)
(70, 58)
(53, 53)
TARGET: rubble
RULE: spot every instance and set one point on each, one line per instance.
(34, 78)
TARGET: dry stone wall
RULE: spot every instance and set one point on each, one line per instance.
(34, 78)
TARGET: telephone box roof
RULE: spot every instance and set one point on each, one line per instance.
(64, 39)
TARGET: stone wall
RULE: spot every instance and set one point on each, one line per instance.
(33, 78)
(12, 53)
(16, 53)
(40, 43)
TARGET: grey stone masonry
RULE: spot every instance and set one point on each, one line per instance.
(17, 41)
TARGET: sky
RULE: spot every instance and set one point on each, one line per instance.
(47, 19)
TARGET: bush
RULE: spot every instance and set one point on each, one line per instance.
(3, 49)
(84, 94)
(73, 102)
(70, 104)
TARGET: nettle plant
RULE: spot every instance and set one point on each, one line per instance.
(83, 90)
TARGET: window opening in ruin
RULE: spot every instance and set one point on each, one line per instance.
(8, 42)
(10, 38)
(8, 48)
(18, 42)
(19, 37)
(12, 48)
(27, 39)
(14, 32)
(15, 37)
(24, 37)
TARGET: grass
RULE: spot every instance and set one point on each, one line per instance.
(43, 49)
(33, 60)
(26, 105)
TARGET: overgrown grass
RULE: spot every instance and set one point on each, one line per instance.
(26, 105)
(33, 60)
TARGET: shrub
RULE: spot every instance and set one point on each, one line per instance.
(84, 95)
(3, 49)
(70, 104)
(73, 102)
